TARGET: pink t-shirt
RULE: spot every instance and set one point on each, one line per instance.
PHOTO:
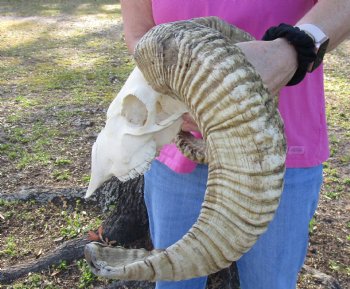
(302, 106)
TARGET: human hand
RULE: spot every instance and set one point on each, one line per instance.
(275, 61)
(188, 123)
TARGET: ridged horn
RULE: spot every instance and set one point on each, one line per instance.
(243, 131)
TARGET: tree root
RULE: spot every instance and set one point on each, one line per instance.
(46, 195)
(69, 251)
(127, 225)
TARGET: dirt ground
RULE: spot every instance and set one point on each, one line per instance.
(61, 64)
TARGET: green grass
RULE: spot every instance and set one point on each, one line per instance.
(87, 277)
(62, 162)
(53, 8)
(61, 64)
(77, 222)
(33, 281)
(339, 267)
(312, 225)
(29, 145)
(338, 105)
(55, 64)
(338, 116)
(10, 248)
(61, 175)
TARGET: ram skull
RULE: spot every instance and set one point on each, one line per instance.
(139, 122)
(198, 63)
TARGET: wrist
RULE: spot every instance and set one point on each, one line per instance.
(288, 53)
(302, 42)
(320, 40)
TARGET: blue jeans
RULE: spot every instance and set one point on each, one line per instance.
(174, 200)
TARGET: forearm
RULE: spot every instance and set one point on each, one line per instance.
(137, 20)
(332, 17)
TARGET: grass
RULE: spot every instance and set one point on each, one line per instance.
(103, 8)
(339, 267)
(32, 220)
(338, 116)
(87, 277)
(57, 59)
(28, 146)
(312, 225)
(34, 281)
(10, 247)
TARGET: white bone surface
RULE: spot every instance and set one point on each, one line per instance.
(139, 122)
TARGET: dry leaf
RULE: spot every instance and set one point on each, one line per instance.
(92, 236)
(37, 255)
(58, 239)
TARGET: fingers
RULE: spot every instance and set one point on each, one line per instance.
(188, 123)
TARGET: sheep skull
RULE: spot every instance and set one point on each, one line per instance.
(139, 122)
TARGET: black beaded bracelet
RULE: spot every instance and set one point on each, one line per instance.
(303, 44)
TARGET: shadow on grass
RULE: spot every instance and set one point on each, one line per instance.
(48, 62)
(25, 8)
(37, 58)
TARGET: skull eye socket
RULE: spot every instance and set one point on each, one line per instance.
(161, 114)
(134, 110)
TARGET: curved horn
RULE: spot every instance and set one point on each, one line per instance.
(245, 150)
(190, 146)
(233, 34)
